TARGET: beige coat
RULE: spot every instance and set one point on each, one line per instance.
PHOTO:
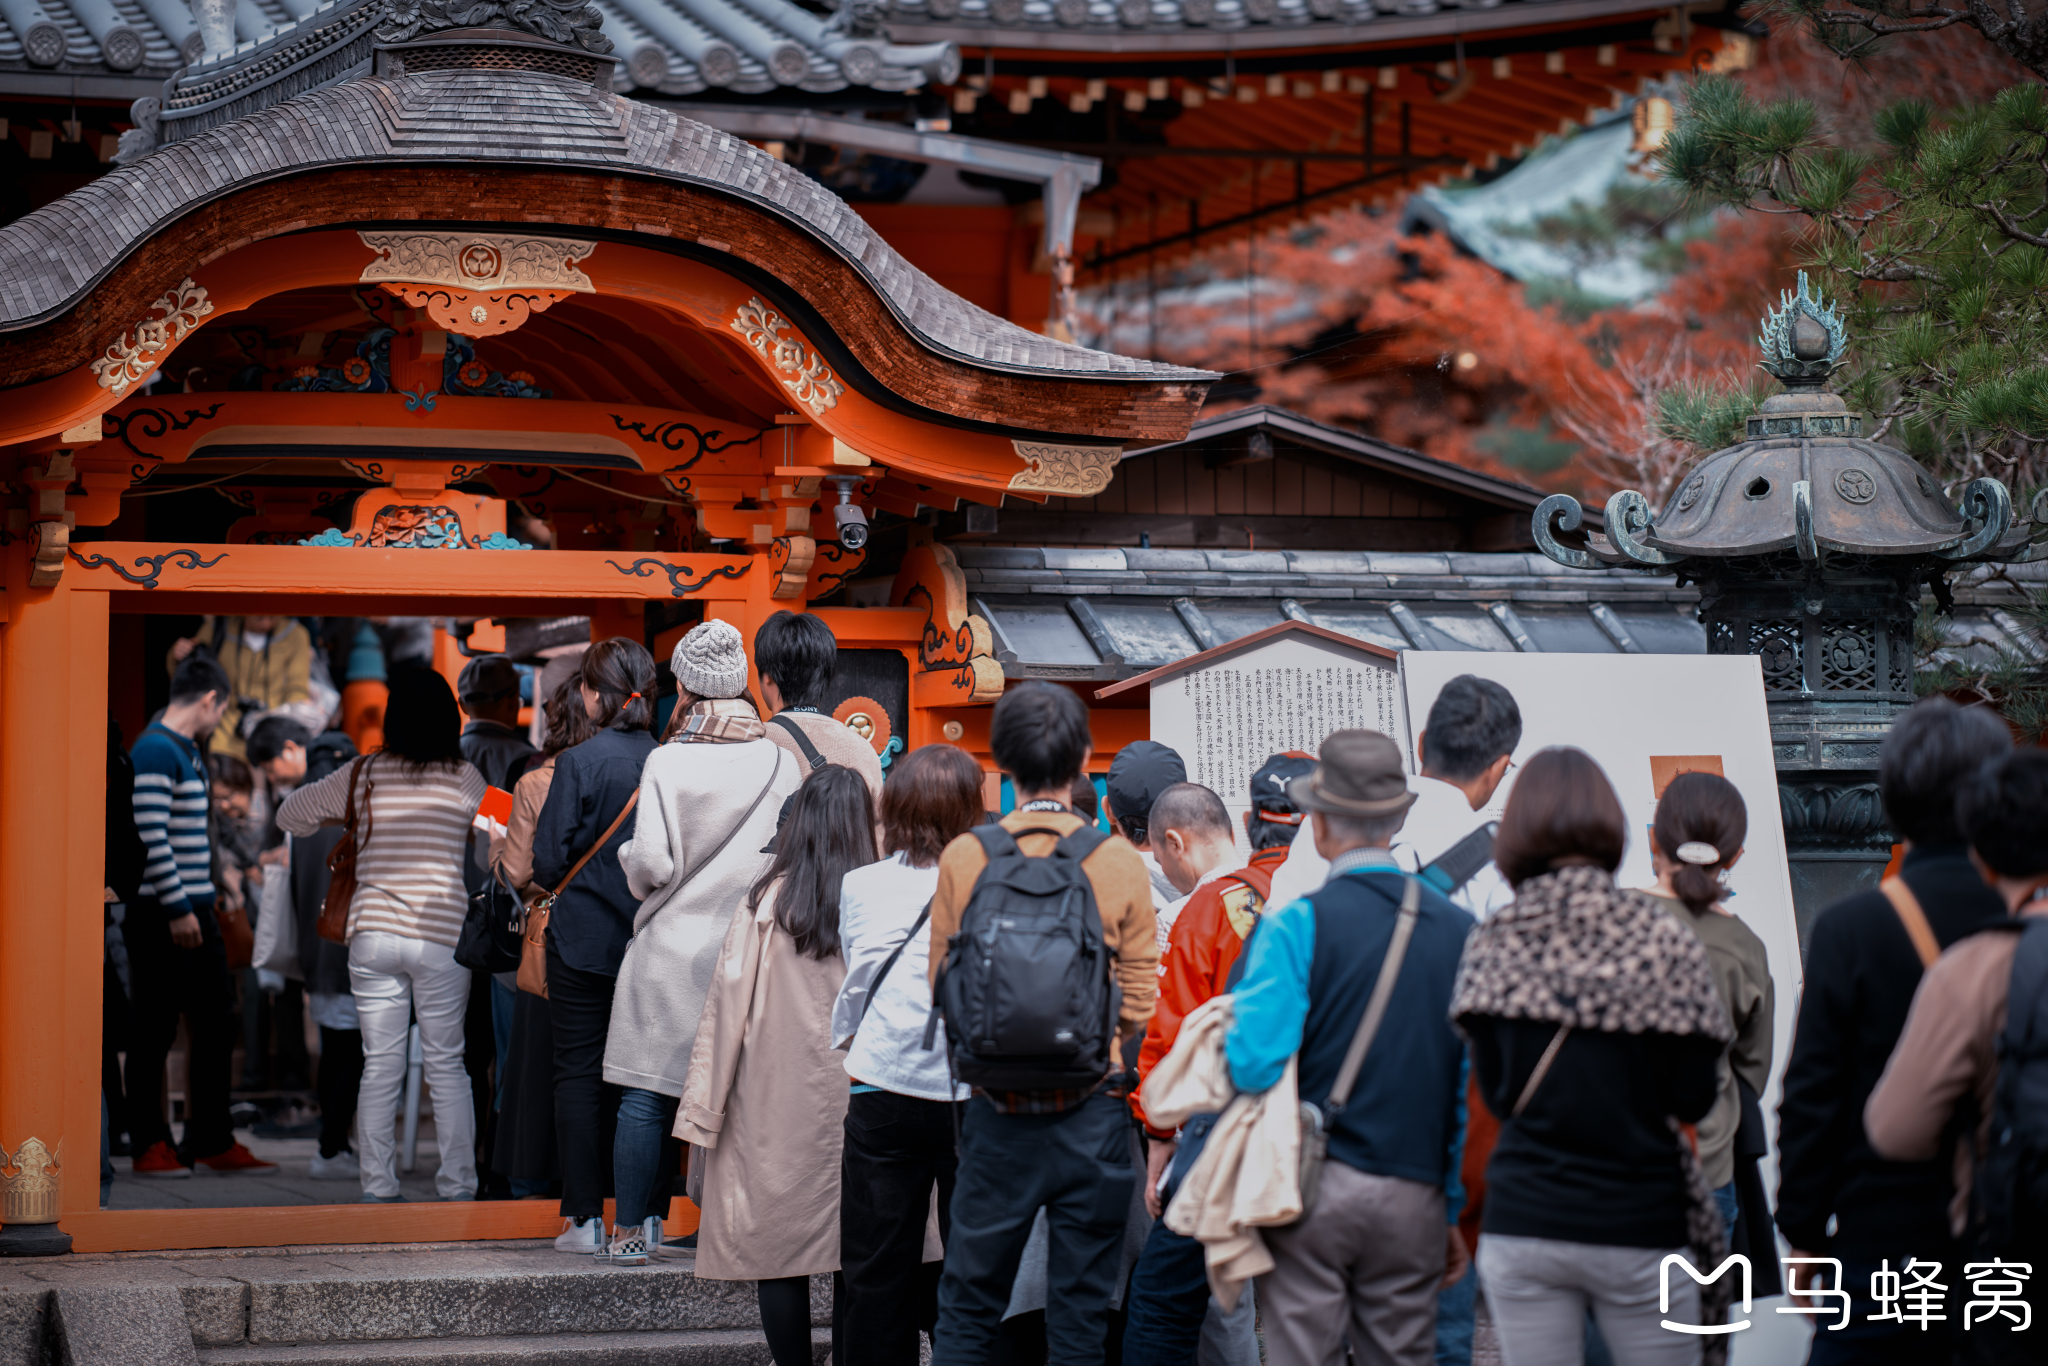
(767, 1097)
(512, 852)
(1248, 1176)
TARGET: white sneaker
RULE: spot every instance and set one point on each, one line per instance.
(581, 1235)
(628, 1246)
(340, 1167)
(657, 1245)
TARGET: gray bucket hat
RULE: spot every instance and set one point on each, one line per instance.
(1359, 774)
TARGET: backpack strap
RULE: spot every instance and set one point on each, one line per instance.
(1907, 908)
(803, 741)
(1256, 878)
(996, 842)
(1079, 845)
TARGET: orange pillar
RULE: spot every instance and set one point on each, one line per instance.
(362, 712)
(53, 715)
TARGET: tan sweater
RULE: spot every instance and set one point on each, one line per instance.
(1949, 1048)
(838, 744)
(512, 852)
(1123, 894)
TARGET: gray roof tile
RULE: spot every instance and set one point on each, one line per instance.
(83, 234)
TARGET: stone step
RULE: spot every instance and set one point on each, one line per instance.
(463, 1302)
(705, 1347)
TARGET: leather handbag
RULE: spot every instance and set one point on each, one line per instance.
(533, 946)
(1316, 1122)
(341, 863)
(491, 938)
(237, 940)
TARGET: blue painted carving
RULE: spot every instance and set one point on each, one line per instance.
(368, 371)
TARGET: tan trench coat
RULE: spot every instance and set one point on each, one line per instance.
(766, 1096)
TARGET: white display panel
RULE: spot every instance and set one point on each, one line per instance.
(1626, 711)
(1226, 718)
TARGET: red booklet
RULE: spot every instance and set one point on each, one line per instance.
(497, 805)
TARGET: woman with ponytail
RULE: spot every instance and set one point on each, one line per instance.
(592, 918)
(1701, 823)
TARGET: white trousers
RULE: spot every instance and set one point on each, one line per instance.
(395, 978)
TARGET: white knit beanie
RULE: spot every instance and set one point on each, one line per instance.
(710, 661)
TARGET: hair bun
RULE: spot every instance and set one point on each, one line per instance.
(1699, 852)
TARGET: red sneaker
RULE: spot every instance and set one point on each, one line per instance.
(161, 1161)
(236, 1159)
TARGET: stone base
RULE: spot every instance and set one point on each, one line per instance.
(33, 1240)
(1820, 879)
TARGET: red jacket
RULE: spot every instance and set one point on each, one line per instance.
(1206, 940)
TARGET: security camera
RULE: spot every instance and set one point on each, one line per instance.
(848, 516)
(853, 525)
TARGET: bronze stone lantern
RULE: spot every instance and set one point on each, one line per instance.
(1810, 546)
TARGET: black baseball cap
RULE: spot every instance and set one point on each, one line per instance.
(1140, 772)
(488, 677)
(1269, 785)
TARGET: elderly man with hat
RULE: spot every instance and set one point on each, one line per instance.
(489, 691)
(1371, 947)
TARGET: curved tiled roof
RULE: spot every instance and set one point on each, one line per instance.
(662, 44)
(52, 257)
(1164, 26)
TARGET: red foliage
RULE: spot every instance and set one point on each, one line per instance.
(1421, 345)
(1424, 346)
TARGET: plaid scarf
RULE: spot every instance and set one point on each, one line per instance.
(717, 721)
(1576, 951)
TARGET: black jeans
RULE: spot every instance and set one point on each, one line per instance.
(897, 1148)
(166, 982)
(1077, 1166)
(340, 1082)
(586, 1109)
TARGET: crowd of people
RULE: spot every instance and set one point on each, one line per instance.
(1043, 1086)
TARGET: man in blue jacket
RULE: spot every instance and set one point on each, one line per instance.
(1382, 1237)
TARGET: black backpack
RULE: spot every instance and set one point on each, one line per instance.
(1027, 993)
(2011, 1194)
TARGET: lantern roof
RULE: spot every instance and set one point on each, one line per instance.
(1803, 479)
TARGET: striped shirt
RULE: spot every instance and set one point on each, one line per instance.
(409, 870)
(171, 802)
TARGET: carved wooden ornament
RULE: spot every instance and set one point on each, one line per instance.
(1069, 471)
(477, 284)
(29, 1184)
(126, 362)
(956, 655)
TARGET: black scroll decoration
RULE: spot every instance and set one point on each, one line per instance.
(147, 577)
(677, 573)
(680, 436)
(939, 643)
(844, 564)
(152, 424)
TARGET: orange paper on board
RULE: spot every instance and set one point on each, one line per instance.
(1665, 767)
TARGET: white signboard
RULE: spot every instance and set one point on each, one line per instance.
(1227, 717)
(1645, 718)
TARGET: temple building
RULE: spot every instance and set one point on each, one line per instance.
(1006, 147)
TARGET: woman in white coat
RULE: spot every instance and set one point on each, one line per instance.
(709, 797)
